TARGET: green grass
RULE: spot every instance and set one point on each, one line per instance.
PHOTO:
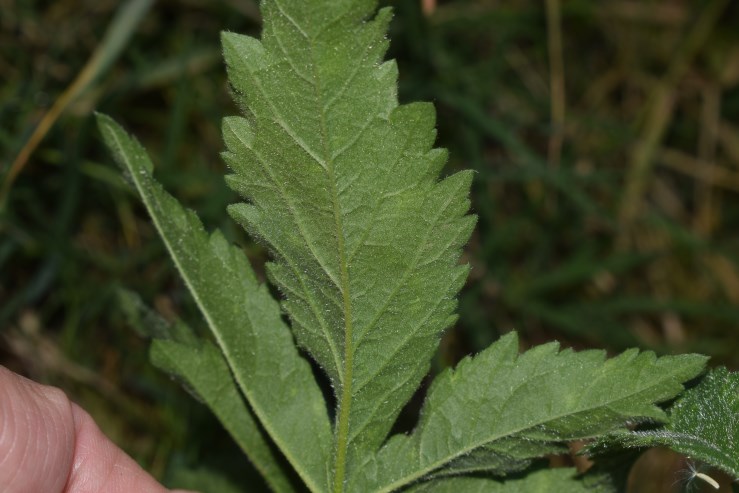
(613, 227)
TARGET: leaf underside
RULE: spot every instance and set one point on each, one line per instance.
(704, 425)
(562, 480)
(342, 185)
(506, 409)
(205, 374)
(243, 317)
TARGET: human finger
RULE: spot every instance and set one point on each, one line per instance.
(49, 444)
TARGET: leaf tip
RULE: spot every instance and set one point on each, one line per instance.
(237, 134)
(238, 47)
(127, 151)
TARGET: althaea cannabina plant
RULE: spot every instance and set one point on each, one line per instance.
(342, 185)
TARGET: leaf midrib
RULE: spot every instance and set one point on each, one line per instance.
(344, 371)
(327, 163)
(261, 414)
(692, 441)
(419, 473)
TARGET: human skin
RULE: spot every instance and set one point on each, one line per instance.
(49, 444)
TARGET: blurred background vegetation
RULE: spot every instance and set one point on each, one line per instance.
(605, 137)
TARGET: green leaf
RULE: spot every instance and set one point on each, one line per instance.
(539, 398)
(341, 185)
(243, 317)
(704, 425)
(147, 323)
(205, 372)
(561, 480)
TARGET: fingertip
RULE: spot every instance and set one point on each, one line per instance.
(99, 465)
(48, 443)
(36, 435)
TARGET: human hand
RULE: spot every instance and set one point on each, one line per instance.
(48, 444)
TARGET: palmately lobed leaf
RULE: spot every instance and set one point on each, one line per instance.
(342, 185)
(539, 398)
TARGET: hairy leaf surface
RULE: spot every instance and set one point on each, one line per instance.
(536, 399)
(244, 318)
(204, 370)
(341, 185)
(704, 425)
(205, 374)
(562, 480)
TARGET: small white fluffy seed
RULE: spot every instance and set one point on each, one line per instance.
(708, 479)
